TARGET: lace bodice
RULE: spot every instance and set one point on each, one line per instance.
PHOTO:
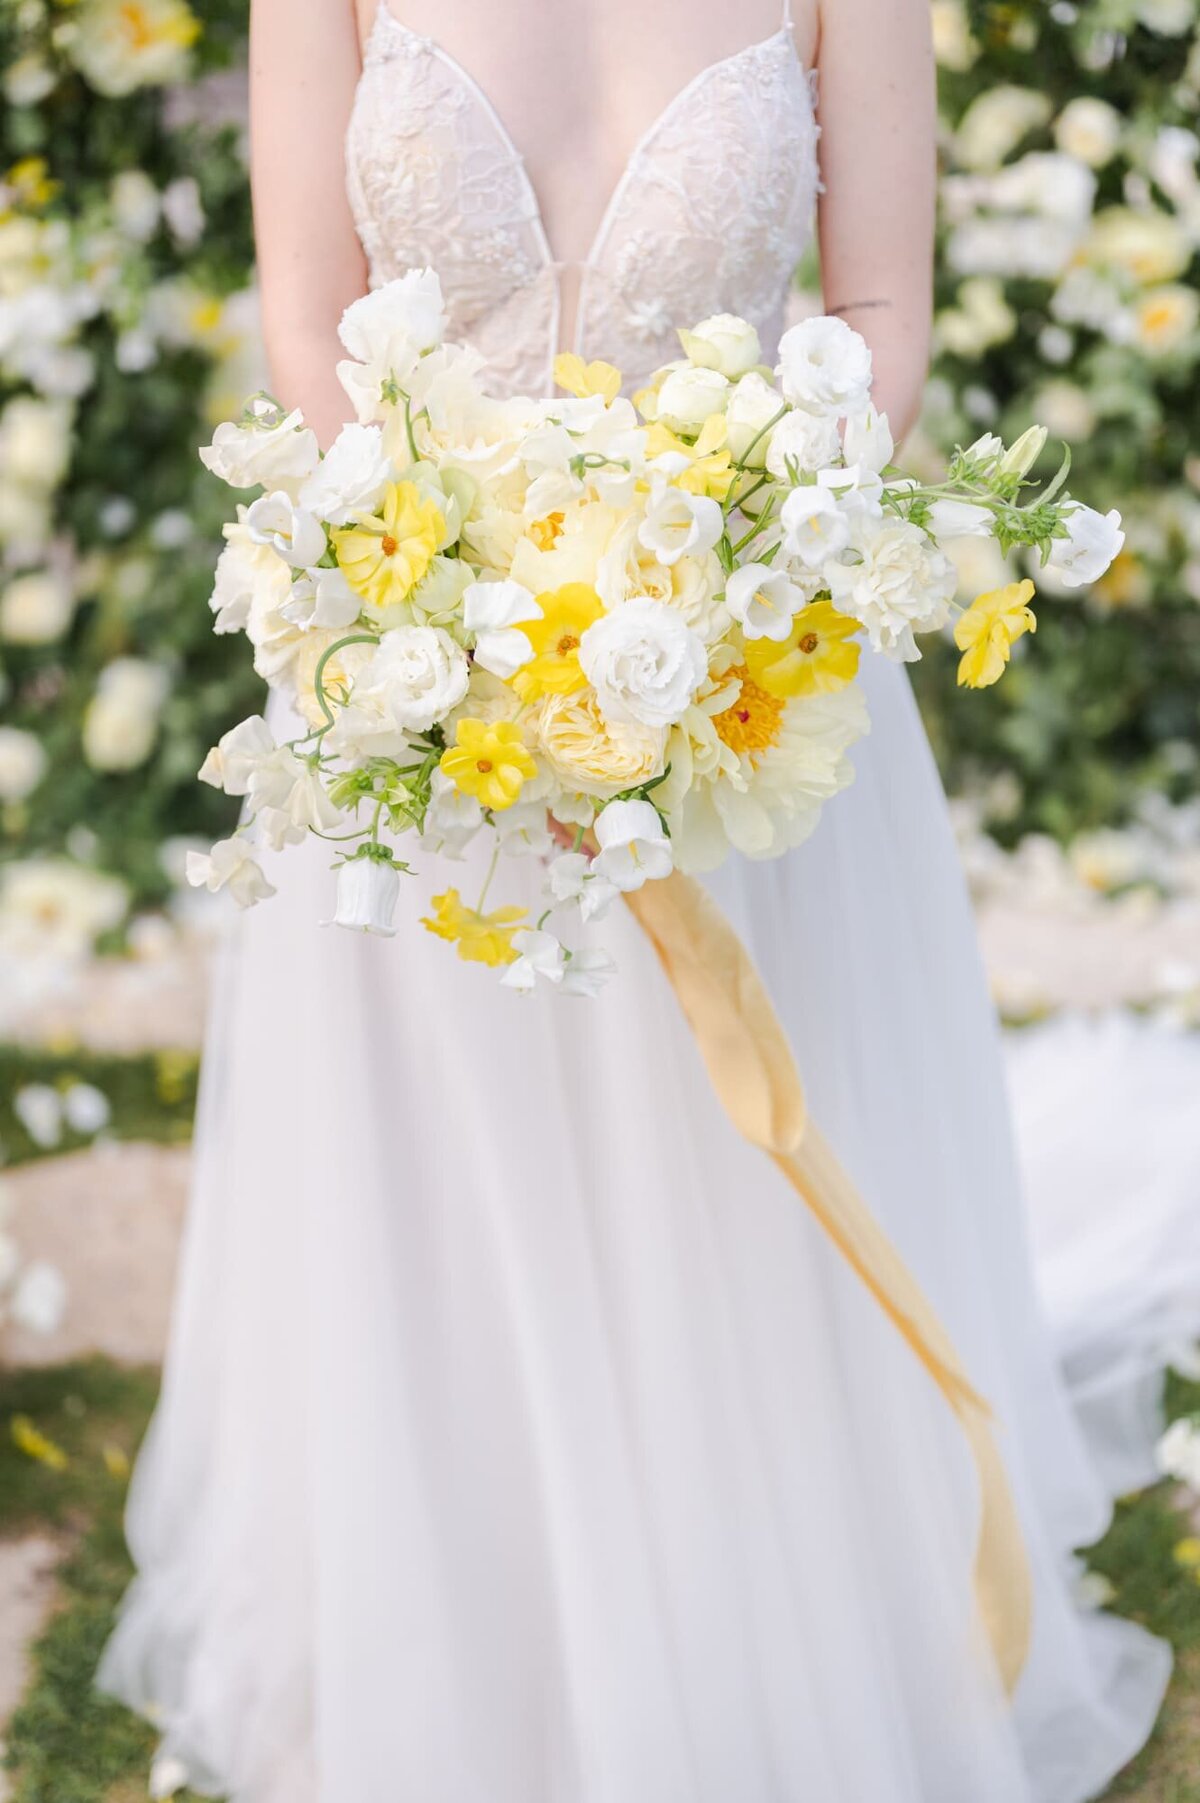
(711, 213)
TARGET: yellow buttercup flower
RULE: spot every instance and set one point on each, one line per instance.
(710, 468)
(584, 379)
(489, 760)
(567, 612)
(385, 555)
(987, 631)
(818, 657)
(480, 938)
(35, 1445)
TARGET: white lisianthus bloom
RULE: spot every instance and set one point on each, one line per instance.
(367, 891)
(868, 440)
(644, 662)
(539, 954)
(263, 453)
(229, 865)
(634, 849)
(495, 613)
(816, 525)
(678, 524)
(321, 598)
(120, 722)
(724, 343)
(297, 535)
(573, 877)
(805, 441)
(412, 679)
(1093, 540)
(386, 333)
(752, 406)
(22, 763)
(690, 395)
(587, 972)
(896, 581)
(763, 601)
(35, 608)
(825, 367)
(350, 478)
(40, 1298)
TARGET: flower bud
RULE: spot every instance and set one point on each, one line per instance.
(367, 888)
(1021, 457)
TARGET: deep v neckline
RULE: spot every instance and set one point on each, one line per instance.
(386, 20)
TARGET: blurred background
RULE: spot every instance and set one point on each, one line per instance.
(1067, 292)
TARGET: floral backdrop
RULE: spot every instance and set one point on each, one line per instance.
(1067, 291)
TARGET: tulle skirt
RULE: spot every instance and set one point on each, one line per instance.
(523, 1441)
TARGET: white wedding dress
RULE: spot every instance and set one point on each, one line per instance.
(522, 1440)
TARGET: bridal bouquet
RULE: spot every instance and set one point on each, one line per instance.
(634, 625)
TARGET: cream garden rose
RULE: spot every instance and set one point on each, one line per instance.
(592, 754)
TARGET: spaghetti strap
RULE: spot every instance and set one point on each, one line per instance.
(786, 21)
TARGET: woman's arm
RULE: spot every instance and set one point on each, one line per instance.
(878, 162)
(304, 63)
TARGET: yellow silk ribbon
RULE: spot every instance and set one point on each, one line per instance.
(752, 1069)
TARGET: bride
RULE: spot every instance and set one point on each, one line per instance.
(560, 1460)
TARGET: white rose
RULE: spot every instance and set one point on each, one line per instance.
(120, 722)
(678, 524)
(266, 452)
(634, 849)
(230, 865)
(644, 662)
(763, 601)
(825, 367)
(900, 583)
(419, 673)
(1093, 540)
(350, 478)
(293, 532)
(689, 395)
(35, 609)
(725, 343)
(1089, 129)
(22, 763)
(808, 440)
(752, 406)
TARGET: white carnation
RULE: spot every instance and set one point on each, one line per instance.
(810, 441)
(644, 662)
(899, 583)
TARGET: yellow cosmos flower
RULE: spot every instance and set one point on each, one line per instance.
(480, 938)
(710, 468)
(987, 631)
(34, 1444)
(385, 555)
(818, 657)
(584, 379)
(489, 760)
(567, 612)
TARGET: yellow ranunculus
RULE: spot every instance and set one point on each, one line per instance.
(480, 938)
(584, 379)
(489, 760)
(386, 554)
(567, 612)
(818, 657)
(987, 631)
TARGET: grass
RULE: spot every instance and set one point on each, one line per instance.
(66, 1744)
(152, 1096)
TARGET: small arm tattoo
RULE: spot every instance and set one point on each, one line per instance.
(855, 306)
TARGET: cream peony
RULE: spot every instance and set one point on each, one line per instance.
(644, 662)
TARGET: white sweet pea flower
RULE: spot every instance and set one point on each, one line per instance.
(763, 601)
(678, 524)
(233, 762)
(386, 333)
(816, 526)
(1093, 540)
(367, 889)
(752, 406)
(634, 849)
(322, 598)
(572, 877)
(802, 441)
(231, 866)
(495, 612)
(690, 395)
(586, 973)
(263, 450)
(539, 954)
(867, 440)
(644, 662)
(293, 802)
(896, 581)
(725, 343)
(350, 478)
(825, 367)
(295, 534)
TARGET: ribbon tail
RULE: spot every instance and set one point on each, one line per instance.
(753, 1071)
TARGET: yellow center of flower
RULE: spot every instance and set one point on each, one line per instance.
(137, 26)
(809, 643)
(751, 725)
(546, 532)
(390, 546)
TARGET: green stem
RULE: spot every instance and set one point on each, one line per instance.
(487, 881)
(355, 638)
